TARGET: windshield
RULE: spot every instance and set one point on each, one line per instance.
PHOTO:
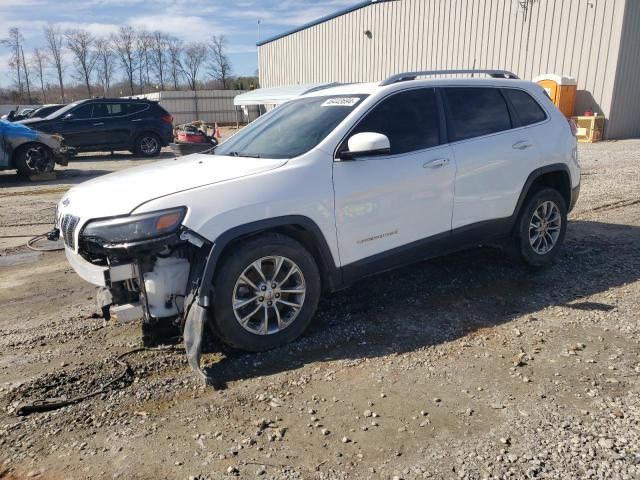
(292, 128)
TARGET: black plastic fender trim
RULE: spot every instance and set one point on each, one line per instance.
(538, 172)
(333, 272)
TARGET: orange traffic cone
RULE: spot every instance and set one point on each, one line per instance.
(216, 130)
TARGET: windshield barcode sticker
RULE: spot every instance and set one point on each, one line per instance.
(341, 102)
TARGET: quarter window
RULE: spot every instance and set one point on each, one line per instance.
(526, 108)
(409, 119)
(476, 111)
(135, 108)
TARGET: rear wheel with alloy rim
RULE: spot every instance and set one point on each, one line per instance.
(266, 292)
(148, 145)
(541, 227)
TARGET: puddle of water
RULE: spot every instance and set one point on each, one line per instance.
(19, 258)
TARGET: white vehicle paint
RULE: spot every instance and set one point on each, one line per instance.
(364, 202)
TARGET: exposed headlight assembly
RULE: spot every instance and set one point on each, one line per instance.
(135, 228)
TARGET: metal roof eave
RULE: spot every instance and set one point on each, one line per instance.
(318, 21)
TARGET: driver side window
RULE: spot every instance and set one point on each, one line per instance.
(83, 112)
(409, 119)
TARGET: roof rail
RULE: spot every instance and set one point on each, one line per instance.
(402, 77)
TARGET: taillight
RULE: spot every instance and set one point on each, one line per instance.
(167, 118)
(573, 127)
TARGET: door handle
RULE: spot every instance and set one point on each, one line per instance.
(522, 145)
(437, 163)
(137, 120)
(96, 124)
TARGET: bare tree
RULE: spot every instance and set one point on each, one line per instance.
(220, 65)
(174, 49)
(80, 43)
(14, 43)
(38, 60)
(105, 64)
(25, 69)
(159, 55)
(143, 47)
(53, 36)
(125, 48)
(193, 57)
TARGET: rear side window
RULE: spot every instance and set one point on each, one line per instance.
(409, 119)
(476, 111)
(526, 108)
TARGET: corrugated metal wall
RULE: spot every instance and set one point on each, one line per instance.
(206, 105)
(580, 38)
(625, 118)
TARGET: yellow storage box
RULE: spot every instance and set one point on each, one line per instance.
(590, 128)
(561, 90)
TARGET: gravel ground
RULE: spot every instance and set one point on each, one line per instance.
(466, 366)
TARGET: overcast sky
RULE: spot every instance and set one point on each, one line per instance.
(188, 19)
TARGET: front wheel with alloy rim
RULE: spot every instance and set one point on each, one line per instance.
(148, 145)
(266, 293)
(541, 227)
(34, 158)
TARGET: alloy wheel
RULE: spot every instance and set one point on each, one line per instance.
(544, 227)
(149, 145)
(38, 159)
(269, 295)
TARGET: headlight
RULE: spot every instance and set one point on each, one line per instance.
(135, 228)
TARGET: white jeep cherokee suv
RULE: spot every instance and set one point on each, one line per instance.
(323, 190)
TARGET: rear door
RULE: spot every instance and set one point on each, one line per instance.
(111, 123)
(494, 155)
(386, 202)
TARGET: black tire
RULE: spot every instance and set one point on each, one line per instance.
(226, 324)
(34, 158)
(148, 145)
(525, 244)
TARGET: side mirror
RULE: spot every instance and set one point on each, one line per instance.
(67, 117)
(366, 144)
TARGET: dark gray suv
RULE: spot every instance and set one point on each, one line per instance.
(140, 126)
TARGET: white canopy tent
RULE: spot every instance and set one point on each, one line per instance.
(277, 95)
(274, 96)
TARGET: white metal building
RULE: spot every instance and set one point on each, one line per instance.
(206, 105)
(595, 41)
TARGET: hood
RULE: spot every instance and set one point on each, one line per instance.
(14, 130)
(30, 121)
(122, 192)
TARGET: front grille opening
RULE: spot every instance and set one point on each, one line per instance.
(68, 228)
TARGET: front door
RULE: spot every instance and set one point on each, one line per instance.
(77, 128)
(388, 204)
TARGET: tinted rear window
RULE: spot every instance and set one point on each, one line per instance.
(526, 108)
(409, 119)
(476, 111)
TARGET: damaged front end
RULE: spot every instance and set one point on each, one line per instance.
(61, 151)
(152, 268)
(31, 151)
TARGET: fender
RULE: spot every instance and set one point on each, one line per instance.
(533, 176)
(333, 274)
